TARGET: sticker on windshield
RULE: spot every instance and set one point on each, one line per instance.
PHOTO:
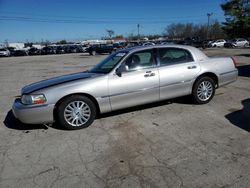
(120, 54)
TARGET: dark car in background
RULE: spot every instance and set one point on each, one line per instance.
(101, 49)
(34, 51)
(59, 50)
(48, 50)
(12, 50)
(72, 49)
(20, 52)
(83, 48)
(193, 41)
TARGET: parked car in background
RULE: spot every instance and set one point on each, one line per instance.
(126, 78)
(148, 44)
(12, 50)
(4, 52)
(83, 48)
(20, 52)
(193, 41)
(34, 51)
(217, 43)
(71, 49)
(238, 42)
(100, 49)
(168, 42)
(132, 44)
(48, 50)
(59, 50)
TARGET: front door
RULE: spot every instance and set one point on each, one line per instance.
(138, 84)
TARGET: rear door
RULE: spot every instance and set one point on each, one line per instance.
(177, 70)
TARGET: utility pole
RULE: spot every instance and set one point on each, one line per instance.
(208, 22)
(138, 29)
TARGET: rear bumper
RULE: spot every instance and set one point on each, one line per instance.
(33, 114)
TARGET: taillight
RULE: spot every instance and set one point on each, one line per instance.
(234, 61)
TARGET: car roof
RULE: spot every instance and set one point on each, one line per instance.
(199, 55)
(139, 48)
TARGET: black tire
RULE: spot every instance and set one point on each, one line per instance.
(196, 93)
(68, 101)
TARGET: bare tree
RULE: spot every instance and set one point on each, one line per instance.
(181, 31)
(110, 32)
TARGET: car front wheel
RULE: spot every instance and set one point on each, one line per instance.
(76, 112)
(203, 90)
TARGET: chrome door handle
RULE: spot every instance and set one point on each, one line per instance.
(192, 67)
(149, 75)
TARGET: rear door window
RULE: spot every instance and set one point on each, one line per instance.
(169, 56)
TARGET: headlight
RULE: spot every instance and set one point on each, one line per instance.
(33, 99)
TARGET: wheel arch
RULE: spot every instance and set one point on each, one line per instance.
(92, 98)
(211, 75)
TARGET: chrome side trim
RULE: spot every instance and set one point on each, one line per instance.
(144, 89)
(175, 83)
(135, 91)
(227, 72)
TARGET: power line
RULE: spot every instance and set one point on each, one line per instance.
(45, 16)
(91, 21)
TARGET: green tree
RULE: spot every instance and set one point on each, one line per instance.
(62, 42)
(237, 13)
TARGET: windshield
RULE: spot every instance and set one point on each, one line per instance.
(108, 64)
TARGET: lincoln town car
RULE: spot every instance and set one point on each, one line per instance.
(126, 78)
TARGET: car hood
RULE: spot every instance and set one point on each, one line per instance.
(56, 80)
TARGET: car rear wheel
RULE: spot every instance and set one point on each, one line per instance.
(203, 90)
(76, 112)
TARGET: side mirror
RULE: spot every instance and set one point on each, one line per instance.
(121, 69)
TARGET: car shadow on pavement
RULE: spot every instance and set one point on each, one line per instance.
(241, 118)
(244, 70)
(12, 123)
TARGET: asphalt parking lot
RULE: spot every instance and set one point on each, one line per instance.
(169, 144)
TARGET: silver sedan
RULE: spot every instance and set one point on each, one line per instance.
(124, 79)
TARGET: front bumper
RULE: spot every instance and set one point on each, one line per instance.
(4, 55)
(33, 114)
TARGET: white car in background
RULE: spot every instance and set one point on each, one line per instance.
(4, 52)
(218, 43)
(240, 42)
